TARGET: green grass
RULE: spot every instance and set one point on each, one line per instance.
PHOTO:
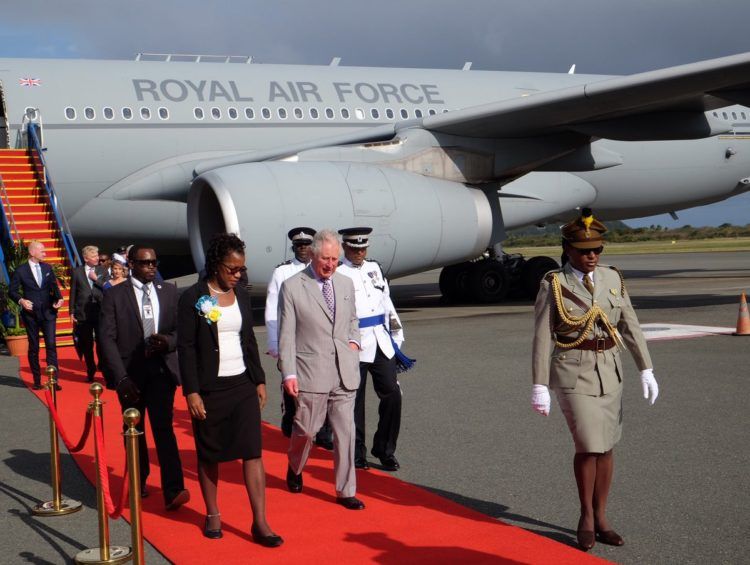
(676, 246)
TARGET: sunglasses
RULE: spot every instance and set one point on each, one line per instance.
(596, 250)
(234, 270)
(147, 262)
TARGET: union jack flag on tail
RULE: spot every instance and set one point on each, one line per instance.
(29, 81)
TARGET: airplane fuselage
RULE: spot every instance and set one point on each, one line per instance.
(116, 132)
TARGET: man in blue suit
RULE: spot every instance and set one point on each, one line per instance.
(34, 286)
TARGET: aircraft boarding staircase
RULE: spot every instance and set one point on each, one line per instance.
(30, 212)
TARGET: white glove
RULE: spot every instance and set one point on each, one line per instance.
(540, 400)
(650, 386)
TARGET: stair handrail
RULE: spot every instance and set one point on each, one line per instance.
(10, 226)
(62, 222)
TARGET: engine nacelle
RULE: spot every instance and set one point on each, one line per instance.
(419, 222)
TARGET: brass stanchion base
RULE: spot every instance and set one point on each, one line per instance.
(117, 554)
(67, 506)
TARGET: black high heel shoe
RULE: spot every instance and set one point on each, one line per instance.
(212, 534)
(271, 540)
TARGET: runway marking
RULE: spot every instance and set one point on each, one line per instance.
(680, 331)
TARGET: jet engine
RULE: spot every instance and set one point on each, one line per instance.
(419, 222)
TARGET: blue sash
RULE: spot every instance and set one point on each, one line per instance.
(403, 363)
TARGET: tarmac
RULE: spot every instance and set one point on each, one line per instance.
(468, 432)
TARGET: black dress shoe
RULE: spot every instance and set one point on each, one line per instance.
(389, 463)
(37, 386)
(212, 534)
(610, 537)
(144, 492)
(182, 497)
(350, 503)
(293, 481)
(271, 540)
(361, 463)
(90, 379)
(57, 387)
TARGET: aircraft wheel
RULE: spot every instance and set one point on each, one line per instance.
(489, 282)
(533, 271)
(454, 282)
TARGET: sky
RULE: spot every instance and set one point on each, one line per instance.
(598, 36)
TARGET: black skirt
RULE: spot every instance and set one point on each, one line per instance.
(231, 429)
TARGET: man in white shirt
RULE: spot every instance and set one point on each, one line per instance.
(85, 304)
(381, 335)
(301, 238)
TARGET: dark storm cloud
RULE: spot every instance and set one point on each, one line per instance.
(600, 36)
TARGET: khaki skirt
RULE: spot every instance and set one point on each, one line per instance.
(594, 421)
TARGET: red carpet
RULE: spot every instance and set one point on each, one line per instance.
(401, 524)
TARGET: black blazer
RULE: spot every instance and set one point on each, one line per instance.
(85, 299)
(43, 297)
(121, 332)
(198, 342)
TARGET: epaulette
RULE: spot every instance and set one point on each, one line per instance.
(550, 274)
(287, 262)
(622, 279)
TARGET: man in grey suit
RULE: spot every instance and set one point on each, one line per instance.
(319, 360)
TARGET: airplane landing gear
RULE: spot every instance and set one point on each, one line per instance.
(491, 279)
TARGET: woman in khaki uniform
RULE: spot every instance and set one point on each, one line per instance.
(583, 317)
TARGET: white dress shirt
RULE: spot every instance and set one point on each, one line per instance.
(138, 289)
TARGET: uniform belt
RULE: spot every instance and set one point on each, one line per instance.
(371, 321)
(600, 344)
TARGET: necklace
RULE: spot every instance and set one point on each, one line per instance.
(218, 291)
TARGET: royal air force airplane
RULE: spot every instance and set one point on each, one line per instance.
(439, 162)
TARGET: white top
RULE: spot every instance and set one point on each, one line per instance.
(231, 362)
(280, 274)
(372, 297)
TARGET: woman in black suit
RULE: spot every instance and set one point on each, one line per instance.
(223, 381)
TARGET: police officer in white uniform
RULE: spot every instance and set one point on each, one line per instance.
(381, 332)
(301, 238)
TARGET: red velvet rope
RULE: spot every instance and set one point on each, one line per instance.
(61, 430)
(113, 512)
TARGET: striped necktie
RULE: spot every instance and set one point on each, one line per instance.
(147, 314)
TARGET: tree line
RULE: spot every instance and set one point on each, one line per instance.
(622, 233)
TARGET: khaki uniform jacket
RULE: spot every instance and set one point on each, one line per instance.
(577, 371)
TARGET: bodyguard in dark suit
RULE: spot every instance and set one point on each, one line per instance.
(138, 342)
(85, 304)
(34, 286)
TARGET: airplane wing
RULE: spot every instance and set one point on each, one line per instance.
(595, 109)
(693, 87)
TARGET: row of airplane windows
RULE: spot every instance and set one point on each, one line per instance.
(145, 113)
(215, 112)
(735, 116)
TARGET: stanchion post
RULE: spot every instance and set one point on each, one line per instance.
(58, 506)
(131, 416)
(104, 553)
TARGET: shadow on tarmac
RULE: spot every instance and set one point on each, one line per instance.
(500, 511)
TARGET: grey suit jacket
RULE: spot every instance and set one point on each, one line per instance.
(576, 371)
(313, 346)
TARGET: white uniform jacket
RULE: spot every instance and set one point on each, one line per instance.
(280, 274)
(372, 297)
